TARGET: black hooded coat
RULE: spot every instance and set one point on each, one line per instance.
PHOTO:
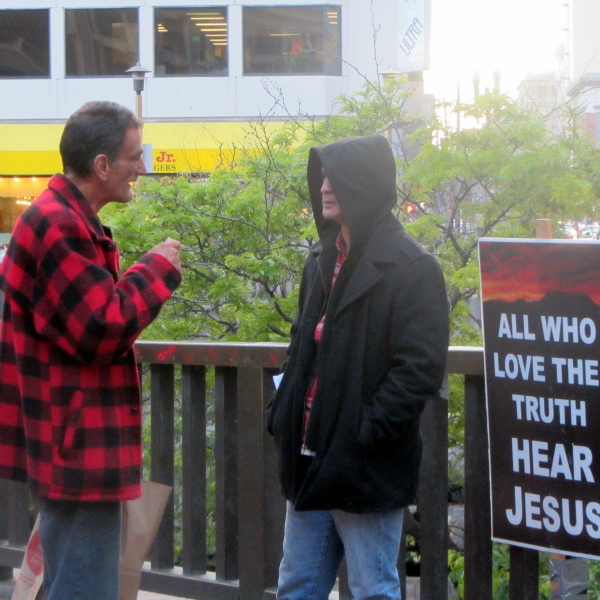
(383, 348)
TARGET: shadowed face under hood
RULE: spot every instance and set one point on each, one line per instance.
(362, 173)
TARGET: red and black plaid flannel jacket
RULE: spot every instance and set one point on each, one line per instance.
(70, 417)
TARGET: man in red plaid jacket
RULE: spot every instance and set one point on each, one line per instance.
(70, 414)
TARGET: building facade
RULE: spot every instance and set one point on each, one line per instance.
(211, 69)
(543, 92)
(584, 63)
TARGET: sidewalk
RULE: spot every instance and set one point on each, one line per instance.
(413, 588)
(6, 590)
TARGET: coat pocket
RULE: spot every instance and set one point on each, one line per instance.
(72, 422)
(365, 429)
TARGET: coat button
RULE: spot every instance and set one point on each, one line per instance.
(135, 411)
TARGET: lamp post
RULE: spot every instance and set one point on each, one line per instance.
(139, 75)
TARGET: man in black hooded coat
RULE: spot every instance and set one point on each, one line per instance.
(368, 350)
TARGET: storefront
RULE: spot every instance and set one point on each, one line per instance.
(29, 156)
(16, 194)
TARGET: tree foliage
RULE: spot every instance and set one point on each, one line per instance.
(494, 179)
(246, 228)
(244, 232)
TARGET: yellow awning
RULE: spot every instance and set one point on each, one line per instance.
(32, 149)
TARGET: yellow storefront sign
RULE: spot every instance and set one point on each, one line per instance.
(197, 160)
(26, 163)
(32, 149)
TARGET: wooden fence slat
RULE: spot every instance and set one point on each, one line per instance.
(433, 499)
(524, 574)
(19, 523)
(274, 500)
(478, 543)
(162, 399)
(251, 483)
(194, 469)
(226, 465)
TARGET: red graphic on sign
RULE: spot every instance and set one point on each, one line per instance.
(528, 271)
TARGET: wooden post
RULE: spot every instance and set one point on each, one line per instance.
(478, 541)
(543, 229)
(524, 563)
(251, 483)
(162, 469)
(433, 498)
(559, 567)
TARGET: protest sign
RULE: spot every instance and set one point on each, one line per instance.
(541, 325)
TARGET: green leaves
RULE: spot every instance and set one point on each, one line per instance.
(245, 230)
(495, 179)
(244, 233)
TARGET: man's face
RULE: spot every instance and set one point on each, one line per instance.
(331, 207)
(127, 168)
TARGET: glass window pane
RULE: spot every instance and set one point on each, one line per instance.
(190, 41)
(292, 39)
(101, 41)
(24, 43)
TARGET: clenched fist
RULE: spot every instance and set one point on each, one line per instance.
(170, 250)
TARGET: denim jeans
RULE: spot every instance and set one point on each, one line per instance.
(316, 541)
(81, 544)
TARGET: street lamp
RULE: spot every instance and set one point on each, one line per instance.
(139, 75)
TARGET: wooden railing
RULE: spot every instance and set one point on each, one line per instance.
(249, 510)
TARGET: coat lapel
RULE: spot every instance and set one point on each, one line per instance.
(365, 276)
(379, 252)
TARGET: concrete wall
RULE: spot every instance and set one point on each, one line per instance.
(233, 97)
(584, 40)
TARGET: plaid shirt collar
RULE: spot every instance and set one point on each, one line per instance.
(340, 244)
(73, 197)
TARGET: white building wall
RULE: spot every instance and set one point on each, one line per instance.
(235, 97)
(584, 38)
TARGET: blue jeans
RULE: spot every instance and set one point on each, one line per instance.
(81, 544)
(316, 541)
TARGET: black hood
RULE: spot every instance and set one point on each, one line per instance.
(362, 173)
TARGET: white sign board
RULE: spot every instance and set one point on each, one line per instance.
(414, 29)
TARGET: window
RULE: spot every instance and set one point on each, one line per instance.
(16, 194)
(190, 41)
(24, 43)
(101, 41)
(292, 39)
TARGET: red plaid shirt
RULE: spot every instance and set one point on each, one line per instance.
(70, 418)
(341, 257)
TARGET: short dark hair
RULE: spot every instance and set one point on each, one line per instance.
(96, 128)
